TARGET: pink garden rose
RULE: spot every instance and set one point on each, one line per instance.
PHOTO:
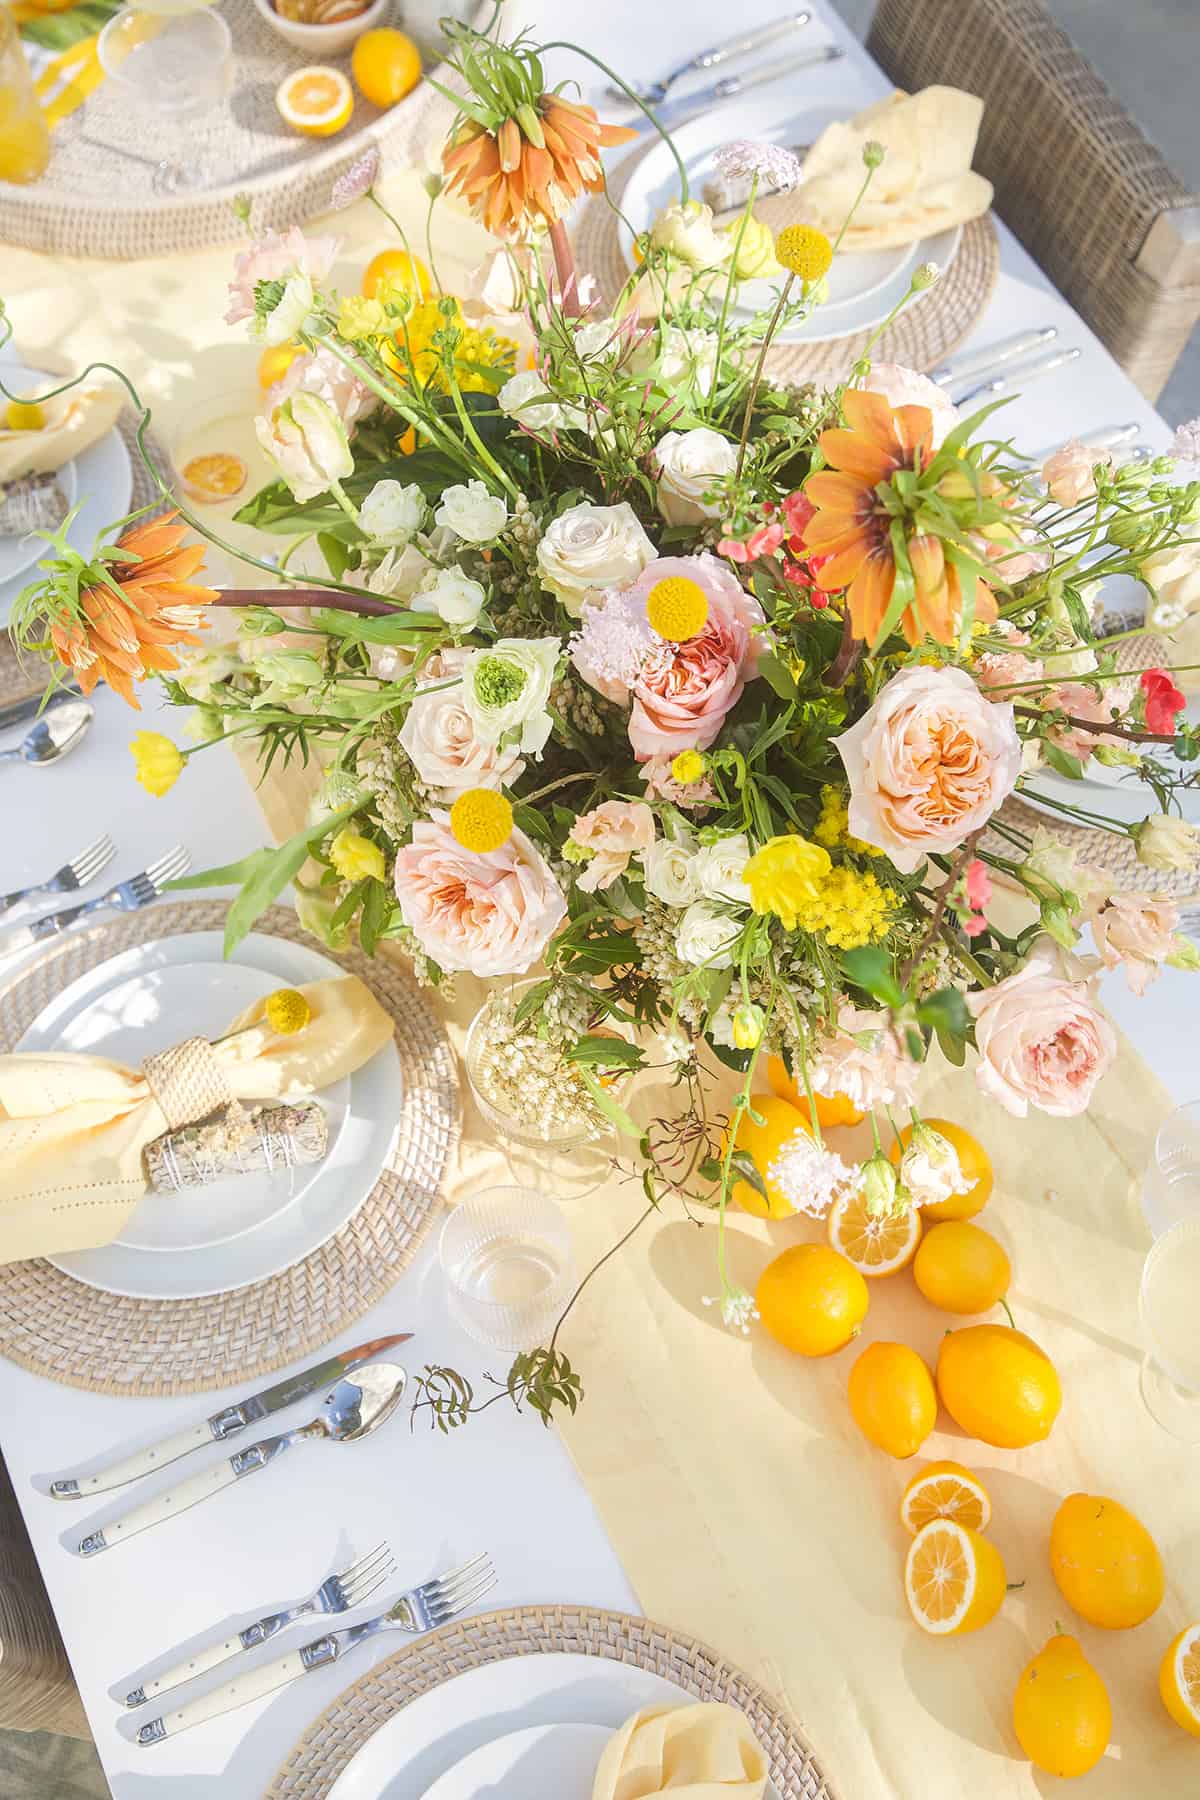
(1068, 473)
(614, 831)
(274, 258)
(683, 691)
(905, 387)
(1137, 932)
(438, 736)
(1041, 1041)
(929, 763)
(864, 1060)
(490, 915)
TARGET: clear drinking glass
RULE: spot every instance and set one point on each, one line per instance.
(1169, 1304)
(179, 65)
(506, 1256)
(1171, 1190)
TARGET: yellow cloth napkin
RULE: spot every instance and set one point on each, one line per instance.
(924, 184)
(73, 1127)
(703, 1752)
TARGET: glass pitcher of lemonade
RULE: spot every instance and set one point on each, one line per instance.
(24, 137)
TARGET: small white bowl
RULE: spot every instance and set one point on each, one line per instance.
(321, 41)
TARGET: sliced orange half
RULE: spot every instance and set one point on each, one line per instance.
(945, 1490)
(877, 1244)
(217, 476)
(1179, 1679)
(953, 1578)
(316, 100)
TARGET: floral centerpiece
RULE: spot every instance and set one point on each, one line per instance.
(694, 692)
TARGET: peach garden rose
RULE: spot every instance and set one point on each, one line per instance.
(488, 914)
(1137, 933)
(439, 736)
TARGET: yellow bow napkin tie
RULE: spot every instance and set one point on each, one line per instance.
(702, 1752)
(75, 74)
(73, 1127)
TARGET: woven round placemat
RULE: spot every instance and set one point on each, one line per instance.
(927, 330)
(343, 1728)
(107, 1344)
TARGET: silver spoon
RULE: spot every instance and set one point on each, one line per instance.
(355, 1407)
(54, 736)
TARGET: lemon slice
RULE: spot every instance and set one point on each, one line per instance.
(877, 1244)
(217, 476)
(953, 1578)
(945, 1490)
(317, 100)
(1179, 1679)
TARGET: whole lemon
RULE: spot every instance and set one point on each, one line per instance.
(1179, 1679)
(974, 1162)
(1105, 1562)
(1061, 1711)
(893, 1398)
(812, 1300)
(832, 1109)
(396, 266)
(385, 65)
(762, 1144)
(961, 1268)
(998, 1385)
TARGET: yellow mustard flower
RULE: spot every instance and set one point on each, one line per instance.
(483, 361)
(481, 820)
(784, 874)
(687, 768)
(355, 857)
(848, 909)
(287, 1011)
(360, 318)
(677, 609)
(804, 251)
(158, 762)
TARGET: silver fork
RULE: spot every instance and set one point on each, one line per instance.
(654, 91)
(421, 1609)
(128, 896)
(73, 875)
(337, 1594)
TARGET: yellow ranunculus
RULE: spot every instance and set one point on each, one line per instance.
(754, 254)
(159, 762)
(355, 857)
(784, 874)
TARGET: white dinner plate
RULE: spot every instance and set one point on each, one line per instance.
(558, 1760)
(422, 1741)
(100, 481)
(863, 286)
(210, 1240)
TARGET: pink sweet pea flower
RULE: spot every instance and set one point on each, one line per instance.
(1163, 699)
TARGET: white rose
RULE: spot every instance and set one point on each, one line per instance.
(400, 573)
(706, 936)
(453, 596)
(686, 357)
(472, 513)
(591, 547)
(287, 320)
(670, 870)
(686, 229)
(391, 512)
(506, 688)
(596, 338)
(690, 465)
(440, 740)
(719, 869)
(1173, 577)
(527, 399)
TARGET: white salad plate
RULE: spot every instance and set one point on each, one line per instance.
(543, 1759)
(430, 1737)
(1108, 789)
(243, 1229)
(863, 286)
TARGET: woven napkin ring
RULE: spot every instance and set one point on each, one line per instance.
(188, 1082)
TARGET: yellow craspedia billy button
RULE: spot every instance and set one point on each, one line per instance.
(804, 251)
(287, 1011)
(481, 820)
(677, 609)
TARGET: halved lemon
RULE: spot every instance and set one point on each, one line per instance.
(275, 362)
(1179, 1679)
(877, 1244)
(218, 476)
(945, 1490)
(953, 1578)
(317, 100)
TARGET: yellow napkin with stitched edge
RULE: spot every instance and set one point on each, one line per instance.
(73, 1127)
(702, 1752)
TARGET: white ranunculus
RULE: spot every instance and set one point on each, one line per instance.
(719, 869)
(391, 512)
(506, 689)
(307, 443)
(400, 573)
(472, 513)
(453, 596)
(670, 870)
(588, 548)
(287, 320)
(690, 466)
(706, 936)
(1173, 577)
(526, 398)
(686, 229)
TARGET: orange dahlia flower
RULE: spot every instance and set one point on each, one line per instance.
(533, 165)
(851, 527)
(120, 630)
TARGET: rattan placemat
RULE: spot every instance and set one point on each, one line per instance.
(343, 1728)
(75, 1334)
(924, 333)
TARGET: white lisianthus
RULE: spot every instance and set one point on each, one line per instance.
(506, 689)
(199, 673)
(691, 465)
(526, 398)
(719, 869)
(287, 673)
(453, 596)
(686, 229)
(688, 356)
(670, 870)
(307, 443)
(1173, 576)
(930, 1169)
(391, 512)
(597, 337)
(592, 547)
(287, 319)
(471, 513)
(1167, 843)
(706, 936)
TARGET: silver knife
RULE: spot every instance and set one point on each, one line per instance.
(654, 91)
(18, 712)
(689, 106)
(974, 362)
(1106, 437)
(1016, 378)
(226, 1423)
